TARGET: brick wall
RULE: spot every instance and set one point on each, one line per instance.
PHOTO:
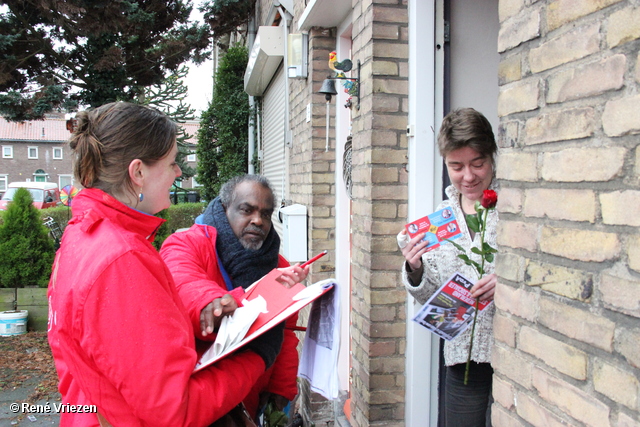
(379, 212)
(312, 169)
(567, 330)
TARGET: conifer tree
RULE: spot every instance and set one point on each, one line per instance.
(169, 97)
(223, 134)
(26, 250)
(57, 55)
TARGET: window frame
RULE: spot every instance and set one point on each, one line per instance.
(29, 156)
(65, 177)
(7, 156)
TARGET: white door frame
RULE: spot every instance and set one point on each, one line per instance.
(422, 353)
(343, 210)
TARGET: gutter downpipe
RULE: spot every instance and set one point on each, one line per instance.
(251, 140)
(286, 16)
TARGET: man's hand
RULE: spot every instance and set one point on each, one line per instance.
(292, 275)
(211, 315)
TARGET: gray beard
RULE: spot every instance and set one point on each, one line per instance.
(251, 245)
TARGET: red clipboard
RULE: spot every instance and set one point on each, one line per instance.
(278, 298)
(282, 302)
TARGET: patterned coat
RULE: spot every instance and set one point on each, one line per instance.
(440, 264)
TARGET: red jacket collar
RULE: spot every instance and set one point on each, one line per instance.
(92, 205)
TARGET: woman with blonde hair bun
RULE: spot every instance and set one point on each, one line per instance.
(121, 338)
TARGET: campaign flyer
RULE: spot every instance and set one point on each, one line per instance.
(438, 226)
(450, 310)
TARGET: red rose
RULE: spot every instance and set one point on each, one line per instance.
(489, 199)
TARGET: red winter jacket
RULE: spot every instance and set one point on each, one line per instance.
(191, 257)
(120, 335)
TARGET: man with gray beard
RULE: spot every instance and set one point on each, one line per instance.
(230, 246)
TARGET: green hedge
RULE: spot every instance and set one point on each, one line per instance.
(178, 216)
(61, 214)
(182, 215)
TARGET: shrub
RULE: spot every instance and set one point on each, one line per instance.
(26, 250)
(61, 214)
(164, 230)
(177, 216)
(183, 215)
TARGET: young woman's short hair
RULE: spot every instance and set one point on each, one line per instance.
(466, 127)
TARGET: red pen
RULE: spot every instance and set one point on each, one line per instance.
(315, 258)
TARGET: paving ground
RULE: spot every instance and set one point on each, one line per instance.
(27, 376)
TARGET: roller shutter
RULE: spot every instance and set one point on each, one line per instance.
(273, 164)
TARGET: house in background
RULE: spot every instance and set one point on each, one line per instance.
(35, 151)
(38, 151)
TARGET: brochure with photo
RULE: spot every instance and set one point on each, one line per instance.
(450, 309)
(438, 226)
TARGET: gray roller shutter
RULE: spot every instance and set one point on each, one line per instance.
(273, 140)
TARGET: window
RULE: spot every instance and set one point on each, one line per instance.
(57, 153)
(191, 157)
(7, 151)
(64, 180)
(32, 152)
(195, 183)
(3, 182)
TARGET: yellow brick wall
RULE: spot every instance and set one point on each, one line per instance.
(568, 300)
(379, 211)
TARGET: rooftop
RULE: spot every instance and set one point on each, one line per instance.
(55, 130)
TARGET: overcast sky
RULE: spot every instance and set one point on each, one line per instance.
(200, 84)
(200, 78)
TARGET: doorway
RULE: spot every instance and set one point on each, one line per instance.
(452, 64)
(470, 79)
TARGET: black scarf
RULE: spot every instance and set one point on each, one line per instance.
(244, 266)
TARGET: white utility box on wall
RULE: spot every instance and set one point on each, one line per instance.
(294, 233)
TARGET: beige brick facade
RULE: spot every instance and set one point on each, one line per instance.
(379, 144)
(568, 297)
